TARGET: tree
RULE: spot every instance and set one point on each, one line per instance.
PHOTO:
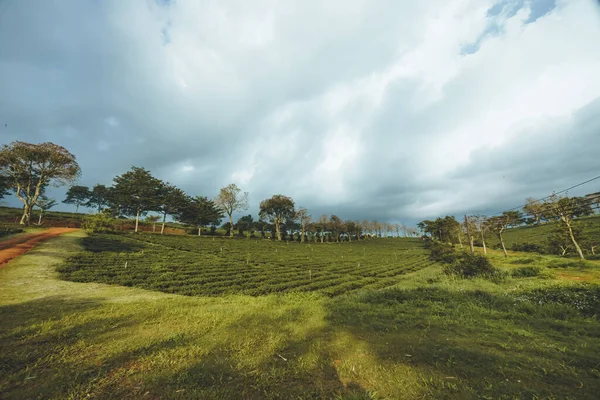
(99, 197)
(137, 192)
(199, 212)
(499, 224)
(337, 226)
(565, 209)
(28, 168)
(44, 203)
(534, 208)
(482, 227)
(245, 224)
(170, 200)
(230, 200)
(78, 195)
(277, 210)
(153, 219)
(4, 187)
(304, 219)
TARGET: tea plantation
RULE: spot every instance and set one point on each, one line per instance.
(215, 266)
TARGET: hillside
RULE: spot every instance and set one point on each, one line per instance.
(539, 234)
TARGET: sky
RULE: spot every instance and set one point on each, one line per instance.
(395, 110)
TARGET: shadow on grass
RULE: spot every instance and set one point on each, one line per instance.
(106, 243)
(58, 347)
(476, 344)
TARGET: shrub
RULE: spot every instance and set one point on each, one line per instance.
(525, 272)
(441, 252)
(473, 266)
(530, 247)
(584, 297)
(8, 229)
(99, 223)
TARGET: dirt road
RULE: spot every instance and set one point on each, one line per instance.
(12, 248)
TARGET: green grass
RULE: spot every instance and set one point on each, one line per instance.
(430, 336)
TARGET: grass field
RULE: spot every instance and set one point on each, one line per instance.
(429, 336)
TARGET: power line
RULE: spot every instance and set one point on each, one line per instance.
(547, 197)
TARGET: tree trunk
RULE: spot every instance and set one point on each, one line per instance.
(231, 226)
(483, 241)
(40, 218)
(460, 241)
(278, 229)
(137, 220)
(581, 257)
(302, 237)
(76, 208)
(199, 231)
(162, 228)
(503, 247)
(26, 215)
(322, 237)
(153, 227)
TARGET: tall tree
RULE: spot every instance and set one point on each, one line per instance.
(277, 210)
(304, 219)
(137, 192)
(500, 223)
(44, 203)
(77, 195)
(482, 227)
(28, 168)
(170, 200)
(337, 226)
(565, 209)
(245, 224)
(99, 197)
(534, 208)
(232, 199)
(199, 212)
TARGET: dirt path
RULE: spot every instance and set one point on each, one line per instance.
(12, 248)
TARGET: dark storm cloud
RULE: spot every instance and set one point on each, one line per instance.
(362, 109)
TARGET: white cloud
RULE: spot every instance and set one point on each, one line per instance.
(372, 107)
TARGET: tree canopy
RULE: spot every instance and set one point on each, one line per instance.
(28, 168)
(231, 199)
(137, 192)
(77, 195)
(277, 210)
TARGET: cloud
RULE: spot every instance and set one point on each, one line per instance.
(367, 109)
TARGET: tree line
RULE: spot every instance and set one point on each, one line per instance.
(567, 235)
(27, 170)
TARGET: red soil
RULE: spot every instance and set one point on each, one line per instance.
(12, 248)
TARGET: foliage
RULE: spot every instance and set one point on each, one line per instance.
(99, 197)
(470, 265)
(77, 195)
(100, 223)
(530, 247)
(525, 272)
(9, 229)
(199, 212)
(28, 168)
(136, 192)
(205, 267)
(277, 210)
(444, 229)
(583, 297)
(442, 252)
(231, 199)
